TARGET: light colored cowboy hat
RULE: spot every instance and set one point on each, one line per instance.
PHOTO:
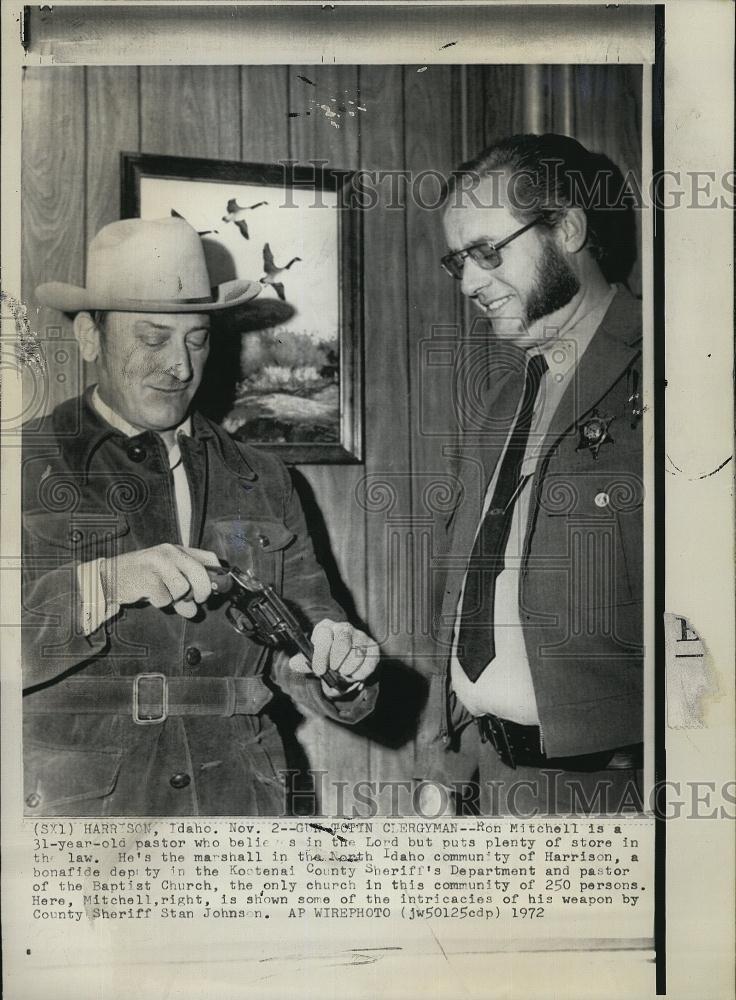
(147, 265)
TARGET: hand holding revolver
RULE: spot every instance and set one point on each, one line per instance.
(342, 656)
(164, 575)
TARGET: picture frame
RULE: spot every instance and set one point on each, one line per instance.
(292, 382)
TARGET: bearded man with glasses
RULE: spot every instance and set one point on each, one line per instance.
(540, 575)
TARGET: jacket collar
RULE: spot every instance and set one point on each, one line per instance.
(232, 455)
(615, 345)
(121, 424)
(80, 431)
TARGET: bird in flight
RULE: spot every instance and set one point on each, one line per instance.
(202, 232)
(272, 271)
(235, 213)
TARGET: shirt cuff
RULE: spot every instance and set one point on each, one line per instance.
(335, 695)
(94, 609)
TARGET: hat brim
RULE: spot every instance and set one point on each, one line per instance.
(263, 314)
(74, 298)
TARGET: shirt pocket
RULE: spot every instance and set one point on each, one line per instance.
(255, 544)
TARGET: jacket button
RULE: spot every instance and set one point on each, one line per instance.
(33, 800)
(179, 780)
(136, 453)
(263, 540)
(192, 656)
(601, 499)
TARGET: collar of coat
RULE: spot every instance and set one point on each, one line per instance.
(80, 431)
(614, 347)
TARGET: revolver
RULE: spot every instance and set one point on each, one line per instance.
(257, 611)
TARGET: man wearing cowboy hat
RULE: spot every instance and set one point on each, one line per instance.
(140, 699)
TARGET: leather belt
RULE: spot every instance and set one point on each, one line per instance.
(522, 745)
(150, 698)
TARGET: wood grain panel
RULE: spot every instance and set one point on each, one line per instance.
(433, 142)
(265, 122)
(387, 399)
(561, 108)
(315, 137)
(473, 81)
(504, 102)
(607, 117)
(113, 124)
(191, 111)
(53, 183)
(315, 94)
(536, 98)
(607, 111)
(387, 486)
(327, 124)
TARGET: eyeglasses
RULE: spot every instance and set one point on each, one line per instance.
(485, 254)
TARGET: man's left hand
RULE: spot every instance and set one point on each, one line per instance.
(343, 648)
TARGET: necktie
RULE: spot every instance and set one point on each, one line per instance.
(476, 646)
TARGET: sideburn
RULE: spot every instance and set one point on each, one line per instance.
(556, 284)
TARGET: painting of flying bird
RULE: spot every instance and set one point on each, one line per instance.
(235, 213)
(273, 271)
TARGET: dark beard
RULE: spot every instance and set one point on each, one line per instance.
(554, 287)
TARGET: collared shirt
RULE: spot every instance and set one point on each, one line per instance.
(95, 611)
(505, 688)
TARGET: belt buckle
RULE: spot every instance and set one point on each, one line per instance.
(164, 699)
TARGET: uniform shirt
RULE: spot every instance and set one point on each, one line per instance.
(505, 687)
(94, 609)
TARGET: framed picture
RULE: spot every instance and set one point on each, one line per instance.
(290, 379)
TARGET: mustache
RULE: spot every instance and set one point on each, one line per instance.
(159, 378)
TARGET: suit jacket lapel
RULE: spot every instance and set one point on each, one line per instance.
(609, 354)
(477, 456)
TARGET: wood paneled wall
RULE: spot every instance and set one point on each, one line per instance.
(600, 105)
(377, 516)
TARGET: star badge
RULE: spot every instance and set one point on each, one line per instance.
(594, 433)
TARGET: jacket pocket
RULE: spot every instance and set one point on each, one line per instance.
(591, 520)
(56, 777)
(255, 544)
(79, 538)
